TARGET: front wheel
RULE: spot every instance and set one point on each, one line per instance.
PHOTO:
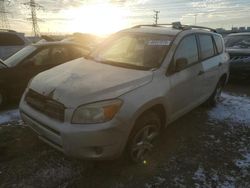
(146, 130)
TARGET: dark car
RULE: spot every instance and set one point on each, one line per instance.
(17, 70)
(11, 42)
(238, 47)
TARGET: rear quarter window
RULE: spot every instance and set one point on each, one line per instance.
(219, 43)
(7, 39)
(206, 45)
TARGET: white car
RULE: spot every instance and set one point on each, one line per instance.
(118, 99)
(11, 42)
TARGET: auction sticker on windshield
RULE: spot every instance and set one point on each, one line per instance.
(159, 42)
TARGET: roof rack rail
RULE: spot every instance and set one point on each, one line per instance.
(199, 27)
(138, 26)
(7, 30)
(177, 25)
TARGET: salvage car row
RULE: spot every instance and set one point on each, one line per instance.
(117, 99)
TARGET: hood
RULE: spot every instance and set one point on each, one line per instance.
(83, 81)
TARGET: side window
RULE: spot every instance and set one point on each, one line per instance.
(77, 52)
(219, 43)
(41, 58)
(7, 39)
(207, 46)
(187, 49)
(59, 55)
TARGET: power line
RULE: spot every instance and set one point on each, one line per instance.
(4, 24)
(156, 16)
(33, 6)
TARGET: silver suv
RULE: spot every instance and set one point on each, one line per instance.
(138, 81)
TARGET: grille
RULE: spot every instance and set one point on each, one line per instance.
(45, 105)
(239, 57)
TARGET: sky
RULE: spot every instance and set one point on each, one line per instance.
(108, 16)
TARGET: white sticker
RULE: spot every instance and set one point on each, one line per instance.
(159, 43)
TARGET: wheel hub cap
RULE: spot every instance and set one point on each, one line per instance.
(143, 142)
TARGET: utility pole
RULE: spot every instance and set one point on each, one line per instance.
(195, 19)
(156, 16)
(33, 6)
(4, 24)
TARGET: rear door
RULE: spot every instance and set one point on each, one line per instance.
(211, 61)
(185, 84)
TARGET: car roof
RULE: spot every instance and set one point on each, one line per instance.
(14, 33)
(153, 30)
(55, 43)
(239, 34)
(169, 29)
(7, 31)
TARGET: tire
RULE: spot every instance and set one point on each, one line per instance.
(215, 97)
(145, 132)
(2, 99)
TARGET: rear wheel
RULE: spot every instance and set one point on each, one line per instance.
(146, 130)
(216, 96)
(2, 99)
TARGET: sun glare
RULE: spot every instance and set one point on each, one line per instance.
(102, 19)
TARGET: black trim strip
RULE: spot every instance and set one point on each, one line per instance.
(51, 142)
(45, 126)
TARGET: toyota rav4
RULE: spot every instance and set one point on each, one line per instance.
(117, 100)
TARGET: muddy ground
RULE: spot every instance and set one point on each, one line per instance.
(209, 147)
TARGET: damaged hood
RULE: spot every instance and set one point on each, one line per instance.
(83, 81)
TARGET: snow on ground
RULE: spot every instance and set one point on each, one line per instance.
(200, 177)
(232, 109)
(9, 116)
(243, 163)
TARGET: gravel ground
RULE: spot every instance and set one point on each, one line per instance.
(208, 147)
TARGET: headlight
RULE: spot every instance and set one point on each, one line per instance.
(98, 112)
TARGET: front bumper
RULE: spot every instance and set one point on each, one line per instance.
(96, 141)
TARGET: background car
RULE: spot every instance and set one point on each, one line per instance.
(11, 42)
(17, 70)
(238, 47)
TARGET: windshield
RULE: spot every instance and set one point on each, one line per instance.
(239, 41)
(19, 56)
(136, 51)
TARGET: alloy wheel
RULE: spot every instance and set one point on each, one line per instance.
(218, 93)
(143, 142)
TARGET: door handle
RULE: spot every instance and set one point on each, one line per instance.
(220, 64)
(201, 72)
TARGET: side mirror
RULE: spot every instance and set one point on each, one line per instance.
(180, 64)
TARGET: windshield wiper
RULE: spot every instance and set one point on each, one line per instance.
(124, 65)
